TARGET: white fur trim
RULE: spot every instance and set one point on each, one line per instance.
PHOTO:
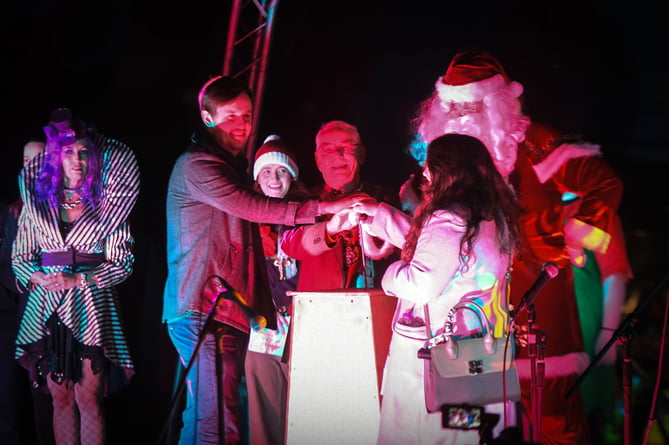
(470, 92)
(274, 157)
(556, 159)
(272, 137)
(573, 363)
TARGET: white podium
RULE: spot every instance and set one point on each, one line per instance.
(338, 347)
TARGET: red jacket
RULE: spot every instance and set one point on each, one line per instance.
(322, 266)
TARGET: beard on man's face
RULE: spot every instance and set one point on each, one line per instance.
(229, 142)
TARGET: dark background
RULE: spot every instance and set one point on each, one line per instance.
(133, 69)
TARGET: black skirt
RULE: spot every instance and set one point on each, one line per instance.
(60, 355)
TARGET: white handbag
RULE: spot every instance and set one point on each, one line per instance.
(473, 371)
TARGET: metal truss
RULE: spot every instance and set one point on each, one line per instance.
(247, 50)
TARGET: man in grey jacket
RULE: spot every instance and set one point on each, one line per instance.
(213, 245)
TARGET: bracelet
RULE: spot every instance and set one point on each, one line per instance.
(603, 328)
(84, 281)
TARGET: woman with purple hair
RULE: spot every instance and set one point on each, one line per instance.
(72, 248)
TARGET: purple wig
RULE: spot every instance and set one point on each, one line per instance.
(64, 130)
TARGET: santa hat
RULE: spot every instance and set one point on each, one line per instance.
(471, 76)
(274, 151)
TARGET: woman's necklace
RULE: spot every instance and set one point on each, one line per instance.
(68, 204)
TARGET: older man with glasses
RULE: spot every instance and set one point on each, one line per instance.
(332, 258)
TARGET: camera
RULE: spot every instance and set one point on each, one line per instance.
(461, 417)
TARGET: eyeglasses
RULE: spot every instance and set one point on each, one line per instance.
(329, 149)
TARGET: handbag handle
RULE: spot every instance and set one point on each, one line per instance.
(489, 340)
(474, 307)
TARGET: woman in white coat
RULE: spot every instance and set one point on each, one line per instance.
(457, 247)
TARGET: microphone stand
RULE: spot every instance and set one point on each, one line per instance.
(536, 346)
(624, 335)
(366, 269)
(536, 340)
(180, 387)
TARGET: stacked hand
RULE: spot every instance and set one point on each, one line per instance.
(336, 206)
(350, 216)
(364, 209)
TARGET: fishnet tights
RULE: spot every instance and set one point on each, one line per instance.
(78, 410)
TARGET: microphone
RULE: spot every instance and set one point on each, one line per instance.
(257, 322)
(548, 270)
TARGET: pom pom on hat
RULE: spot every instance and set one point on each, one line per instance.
(274, 151)
(471, 76)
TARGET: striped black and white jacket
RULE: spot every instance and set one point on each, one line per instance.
(92, 313)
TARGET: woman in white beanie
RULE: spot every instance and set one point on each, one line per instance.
(276, 174)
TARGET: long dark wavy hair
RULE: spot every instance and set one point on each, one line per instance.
(465, 181)
(51, 182)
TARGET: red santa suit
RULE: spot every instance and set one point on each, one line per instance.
(543, 172)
